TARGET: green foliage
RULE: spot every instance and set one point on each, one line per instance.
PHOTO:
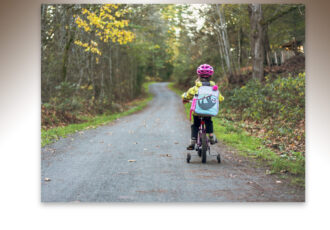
(273, 110)
(281, 99)
(151, 48)
(64, 98)
(286, 27)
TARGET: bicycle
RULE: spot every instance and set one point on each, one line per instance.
(203, 144)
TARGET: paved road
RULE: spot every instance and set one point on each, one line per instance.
(141, 158)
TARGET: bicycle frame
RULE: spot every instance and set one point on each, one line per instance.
(202, 129)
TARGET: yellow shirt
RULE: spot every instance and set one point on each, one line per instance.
(194, 90)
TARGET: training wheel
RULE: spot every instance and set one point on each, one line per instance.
(219, 158)
(199, 152)
(188, 157)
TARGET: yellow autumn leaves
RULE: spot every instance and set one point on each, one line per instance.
(106, 25)
(89, 47)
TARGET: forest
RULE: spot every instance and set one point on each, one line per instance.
(95, 59)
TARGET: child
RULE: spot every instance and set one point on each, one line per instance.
(204, 73)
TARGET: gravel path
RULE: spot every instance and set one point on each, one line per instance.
(142, 158)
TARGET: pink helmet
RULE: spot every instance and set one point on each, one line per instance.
(205, 69)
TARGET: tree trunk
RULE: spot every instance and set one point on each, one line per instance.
(110, 91)
(220, 50)
(275, 57)
(65, 59)
(239, 51)
(223, 30)
(257, 41)
(110, 64)
(69, 32)
(267, 46)
(102, 86)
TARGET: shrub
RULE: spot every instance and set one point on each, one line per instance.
(280, 99)
(275, 109)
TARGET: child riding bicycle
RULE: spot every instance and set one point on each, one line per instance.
(204, 73)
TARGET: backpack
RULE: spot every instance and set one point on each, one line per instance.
(206, 101)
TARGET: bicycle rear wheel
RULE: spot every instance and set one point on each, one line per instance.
(204, 147)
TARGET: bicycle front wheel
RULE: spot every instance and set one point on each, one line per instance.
(204, 147)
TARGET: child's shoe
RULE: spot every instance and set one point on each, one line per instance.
(213, 139)
(192, 145)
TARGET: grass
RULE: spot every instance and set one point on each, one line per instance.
(253, 147)
(51, 135)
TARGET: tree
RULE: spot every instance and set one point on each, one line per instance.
(105, 24)
(224, 37)
(257, 41)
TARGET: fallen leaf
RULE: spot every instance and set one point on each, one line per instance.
(131, 160)
(51, 150)
(176, 143)
(233, 176)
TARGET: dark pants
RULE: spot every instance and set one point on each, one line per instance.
(197, 123)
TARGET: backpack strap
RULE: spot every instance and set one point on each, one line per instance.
(206, 83)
